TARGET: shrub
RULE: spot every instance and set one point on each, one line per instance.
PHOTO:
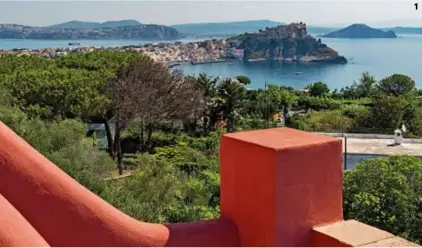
(319, 103)
(318, 89)
(331, 121)
(386, 193)
(354, 111)
(300, 122)
(244, 80)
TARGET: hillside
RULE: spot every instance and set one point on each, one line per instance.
(224, 28)
(108, 24)
(404, 30)
(319, 30)
(360, 31)
(285, 42)
(145, 32)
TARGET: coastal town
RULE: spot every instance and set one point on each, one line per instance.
(288, 43)
(210, 51)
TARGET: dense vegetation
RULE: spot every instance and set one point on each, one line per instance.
(110, 30)
(162, 129)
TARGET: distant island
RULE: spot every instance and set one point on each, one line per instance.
(285, 42)
(78, 31)
(132, 29)
(221, 29)
(404, 30)
(360, 31)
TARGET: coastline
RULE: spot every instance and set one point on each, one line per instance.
(173, 53)
(254, 48)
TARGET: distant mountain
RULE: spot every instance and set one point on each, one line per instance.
(404, 30)
(219, 28)
(109, 24)
(360, 31)
(224, 28)
(320, 30)
(142, 31)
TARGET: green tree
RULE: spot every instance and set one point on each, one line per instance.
(66, 87)
(386, 193)
(148, 93)
(364, 88)
(106, 64)
(387, 112)
(396, 85)
(283, 98)
(318, 89)
(231, 93)
(56, 93)
(210, 113)
(412, 117)
(244, 80)
(366, 85)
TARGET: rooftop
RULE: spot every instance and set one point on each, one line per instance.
(382, 147)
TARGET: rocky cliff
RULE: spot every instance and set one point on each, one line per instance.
(289, 42)
(142, 31)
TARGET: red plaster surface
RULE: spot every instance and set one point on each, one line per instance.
(45, 205)
(276, 184)
(15, 230)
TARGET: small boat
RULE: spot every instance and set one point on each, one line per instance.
(74, 43)
(174, 65)
(298, 73)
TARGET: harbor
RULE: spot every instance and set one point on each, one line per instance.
(172, 54)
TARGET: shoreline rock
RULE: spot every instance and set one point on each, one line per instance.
(285, 42)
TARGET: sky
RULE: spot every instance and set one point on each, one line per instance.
(322, 13)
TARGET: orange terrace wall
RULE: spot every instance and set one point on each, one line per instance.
(279, 187)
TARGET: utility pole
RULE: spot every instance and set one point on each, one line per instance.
(266, 106)
(345, 153)
(345, 143)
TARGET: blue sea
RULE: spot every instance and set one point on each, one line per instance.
(9, 44)
(380, 57)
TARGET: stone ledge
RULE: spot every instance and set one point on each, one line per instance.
(392, 242)
(349, 233)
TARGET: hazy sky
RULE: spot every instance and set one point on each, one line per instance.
(376, 13)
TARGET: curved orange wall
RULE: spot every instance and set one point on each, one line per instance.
(276, 185)
(15, 230)
(64, 213)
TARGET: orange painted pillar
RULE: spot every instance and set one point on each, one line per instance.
(277, 184)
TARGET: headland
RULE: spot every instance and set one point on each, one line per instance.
(284, 42)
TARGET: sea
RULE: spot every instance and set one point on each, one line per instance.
(379, 57)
